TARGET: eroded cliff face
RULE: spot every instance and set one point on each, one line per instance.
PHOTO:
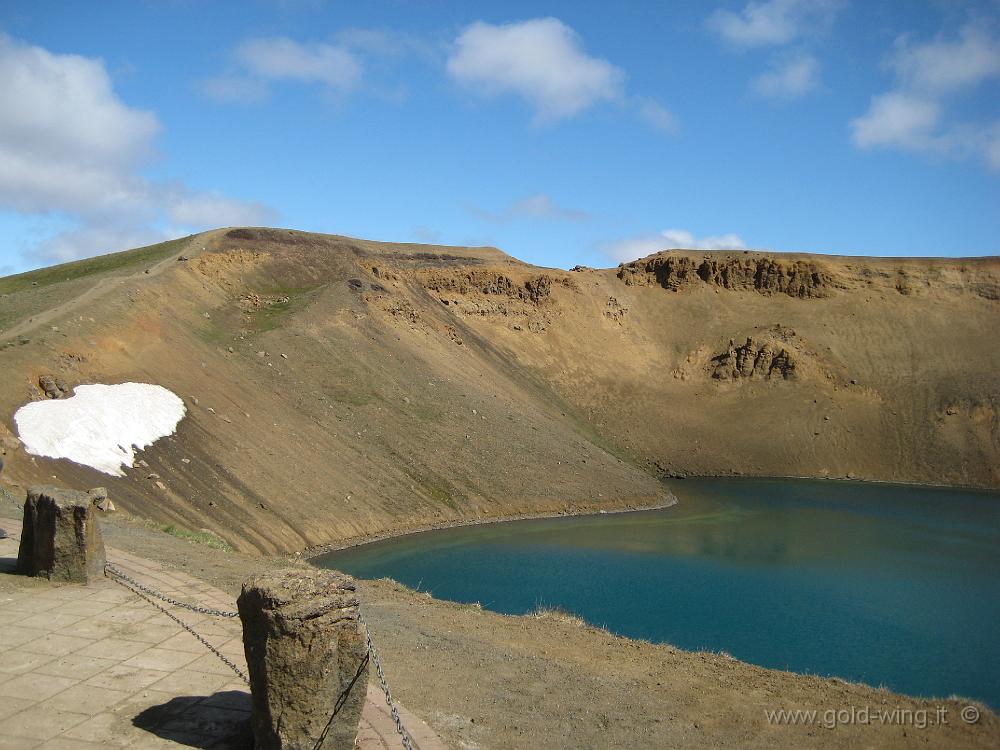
(536, 289)
(807, 277)
(523, 299)
(755, 359)
(760, 273)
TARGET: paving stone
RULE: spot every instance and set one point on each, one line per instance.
(80, 667)
(191, 683)
(86, 699)
(212, 664)
(64, 743)
(9, 742)
(10, 617)
(50, 621)
(35, 686)
(84, 607)
(207, 721)
(145, 633)
(145, 699)
(161, 619)
(12, 635)
(89, 628)
(15, 662)
(64, 592)
(40, 723)
(113, 648)
(11, 705)
(55, 645)
(161, 658)
(124, 615)
(121, 677)
(116, 595)
(104, 729)
(184, 641)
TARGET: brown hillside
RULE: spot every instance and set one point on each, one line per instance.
(340, 388)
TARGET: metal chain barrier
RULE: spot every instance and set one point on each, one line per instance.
(373, 654)
(119, 573)
(145, 592)
(139, 590)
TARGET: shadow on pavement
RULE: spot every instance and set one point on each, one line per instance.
(220, 721)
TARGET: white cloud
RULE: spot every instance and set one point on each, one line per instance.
(772, 22)
(234, 88)
(539, 206)
(684, 239)
(789, 78)
(70, 147)
(913, 116)
(214, 210)
(657, 115)
(541, 60)
(65, 138)
(638, 247)
(426, 235)
(991, 145)
(259, 62)
(87, 240)
(945, 65)
(387, 43)
(280, 58)
(897, 119)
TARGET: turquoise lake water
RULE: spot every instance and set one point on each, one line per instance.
(883, 584)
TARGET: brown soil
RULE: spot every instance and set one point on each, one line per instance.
(339, 389)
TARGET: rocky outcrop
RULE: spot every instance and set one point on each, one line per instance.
(760, 273)
(307, 658)
(615, 311)
(755, 359)
(535, 290)
(60, 539)
(99, 497)
(53, 386)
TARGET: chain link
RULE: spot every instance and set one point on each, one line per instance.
(122, 578)
(373, 653)
(119, 573)
(139, 589)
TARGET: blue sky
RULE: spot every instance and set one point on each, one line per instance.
(563, 133)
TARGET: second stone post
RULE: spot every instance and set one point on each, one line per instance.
(307, 658)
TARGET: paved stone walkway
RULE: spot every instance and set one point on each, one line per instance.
(85, 667)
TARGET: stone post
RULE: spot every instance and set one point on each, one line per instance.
(307, 657)
(60, 539)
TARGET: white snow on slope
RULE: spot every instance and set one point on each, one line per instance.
(100, 425)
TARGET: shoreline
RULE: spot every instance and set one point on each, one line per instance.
(310, 553)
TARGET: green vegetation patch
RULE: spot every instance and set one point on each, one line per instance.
(436, 490)
(90, 266)
(202, 536)
(273, 314)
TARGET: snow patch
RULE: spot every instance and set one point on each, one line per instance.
(100, 426)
